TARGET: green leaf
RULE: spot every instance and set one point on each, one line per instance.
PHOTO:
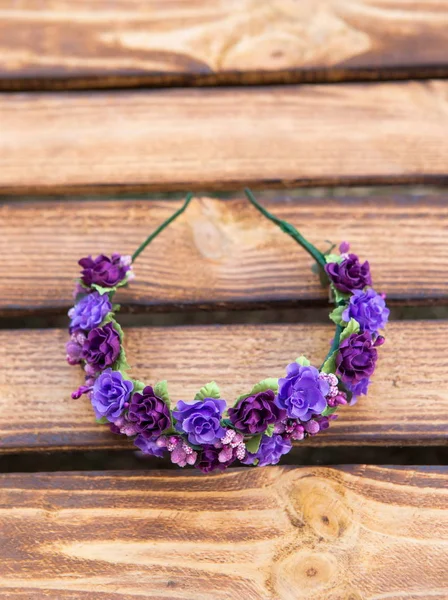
(352, 327)
(121, 364)
(329, 365)
(210, 390)
(139, 386)
(103, 290)
(333, 258)
(161, 390)
(303, 361)
(102, 421)
(267, 384)
(253, 444)
(336, 315)
(270, 430)
(329, 411)
(118, 329)
(339, 296)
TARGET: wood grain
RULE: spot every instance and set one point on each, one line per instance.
(406, 405)
(224, 138)
(263, 534)
(222, 252)
(195, 42)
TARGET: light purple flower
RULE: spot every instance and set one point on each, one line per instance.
(110, 395)
(369, 309)
(74, 347)
(148, 446)
(89, 312)
(270, 451)
(302, 392)
(357, 389)
(200, 420)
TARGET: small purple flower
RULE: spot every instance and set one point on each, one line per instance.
(89, 311)
(270, 451)
(356, 358)
(148, 413)
(148, 446)
(369, 309)
(357, 389)
(110, 395)
(349, 274)
(209, 460)
(302, 392)
(74, 347)
(253, 414)
(102, 347)
(104, 271)
(200, 420)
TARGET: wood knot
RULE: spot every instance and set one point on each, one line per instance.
(303, 572)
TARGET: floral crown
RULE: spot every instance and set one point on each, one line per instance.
(263, 422)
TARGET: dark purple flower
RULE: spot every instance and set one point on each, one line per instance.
(302, 392)
(89, 311)
(349, 274)
(209, 460)
(200, 420)
(270, 451)
(357, 389)
(149, 446)
(148, 413)
(110, 395)
(253, 414)
(102, 347)
(74, 347)
(356, 358)
(104, 271)
(369, 309)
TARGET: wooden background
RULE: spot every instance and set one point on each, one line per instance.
(336, 112)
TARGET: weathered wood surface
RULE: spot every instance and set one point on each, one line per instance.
(221, 252)
(347, 533)
(224, 138)
(152, 41)
(406, 405)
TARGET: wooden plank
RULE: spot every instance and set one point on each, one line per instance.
(406, 405)
(222, 252)
(262, 534)
(224, 138)
(155, 42)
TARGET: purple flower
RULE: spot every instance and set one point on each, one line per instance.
(356, 358)
(149, 446)
(254, 413)
(148, 413)
(200, 420)
(369, 309)
(110, 395)
(74, 348)
(302, 392)
(102, 347)
(349, 274)
(104, 271)
(209, 460)
(89, 311)
(270, 451)
(357, 389)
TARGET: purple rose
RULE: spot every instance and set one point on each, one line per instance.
(369, 309)
(148, 413)
(270, 451)
(357, 389)
(110, 395)
(253, 414)
(302, 392)
(102, 347)
(356, 358)
(89, 311)
(104, 271)
(209, 460)
(349, 274)
(200, 420)
(149, 446)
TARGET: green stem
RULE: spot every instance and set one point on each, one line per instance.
(290, 230)
(159, 229)
(335, 343)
